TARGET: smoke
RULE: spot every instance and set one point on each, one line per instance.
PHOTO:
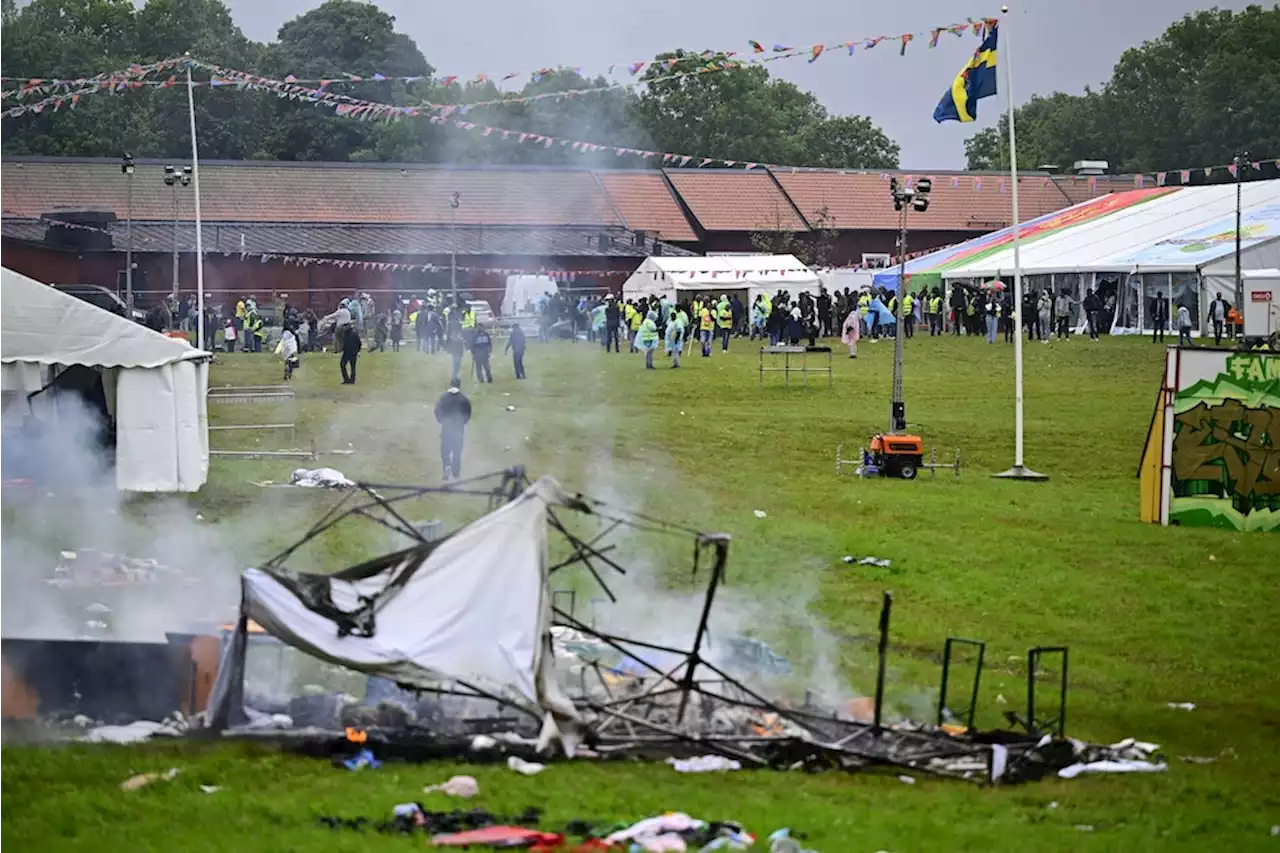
(66, 531)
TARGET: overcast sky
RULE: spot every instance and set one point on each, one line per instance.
(1054, 45)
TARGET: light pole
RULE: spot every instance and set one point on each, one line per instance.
(126, 168)
(904, 199)
(1240, 160)
(175, 176)
(455, 201)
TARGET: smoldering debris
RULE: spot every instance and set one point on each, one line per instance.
(651, 700)
(91, 568)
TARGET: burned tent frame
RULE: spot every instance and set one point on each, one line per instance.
(691, 707)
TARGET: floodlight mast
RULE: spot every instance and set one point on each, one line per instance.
(904, 198)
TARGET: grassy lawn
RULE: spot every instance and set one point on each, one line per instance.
(1151, 616)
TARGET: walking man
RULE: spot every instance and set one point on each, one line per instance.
(1218, 316)
(612, 320)
(1092, 306)
(453, 412)
(481, 350)
(515, 346)
(1159, 316)
(1184, 326)
(351, 345)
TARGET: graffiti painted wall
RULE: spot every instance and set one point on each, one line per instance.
(1225, 457)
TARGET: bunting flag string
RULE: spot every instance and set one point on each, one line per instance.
(31, 86)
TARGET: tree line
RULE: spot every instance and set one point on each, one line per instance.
(743, 114)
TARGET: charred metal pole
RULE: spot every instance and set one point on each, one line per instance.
(721, 543)
(883, 649)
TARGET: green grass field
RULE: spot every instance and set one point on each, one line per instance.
(1151, 615)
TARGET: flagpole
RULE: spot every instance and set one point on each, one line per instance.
(195, 178)
(1019, 471)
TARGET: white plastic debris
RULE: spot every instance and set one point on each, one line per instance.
(528, 768)
(1000, 700)
(142, 780)
(320, 478)
(465, 787)
(68, 555)
(210, 789)
(136, 732)
(1083, 827)
(868, 561)
(1053, 805)
(907, 780)
(704, 764)
(479, 743)
(1112, 766)
(511, 408)
(1181, 706)
(759, 513)
(1275, 831)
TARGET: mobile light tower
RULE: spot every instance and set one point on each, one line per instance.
(174, 177)
(905, 198)
(126, 169)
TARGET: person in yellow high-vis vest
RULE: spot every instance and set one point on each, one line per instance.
(935, 313)
(634, 321)
(706, 325)
(908, 316)
(724, 322)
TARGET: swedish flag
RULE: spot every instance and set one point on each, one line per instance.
(975, 81)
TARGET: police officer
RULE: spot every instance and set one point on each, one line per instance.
(453, 412)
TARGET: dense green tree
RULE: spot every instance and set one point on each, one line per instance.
(743, 114)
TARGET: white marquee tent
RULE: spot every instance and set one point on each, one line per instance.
(716, 274)
(1130, 246)
(471, 610)
(154, 385)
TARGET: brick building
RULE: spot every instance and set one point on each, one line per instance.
(67, 220)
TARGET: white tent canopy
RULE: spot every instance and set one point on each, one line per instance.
(155, 385)
(1179, 242)
(715, 274)
(473, 609)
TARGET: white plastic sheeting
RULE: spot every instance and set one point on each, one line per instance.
(475, 611)
(155, 385)
(523, 291)
(716, 274)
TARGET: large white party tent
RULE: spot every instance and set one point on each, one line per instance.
(720, 274)
(154, 386)
(1178, 241)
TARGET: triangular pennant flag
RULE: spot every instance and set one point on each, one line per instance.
(1184, 176)
(1234, 170)
(1160, 179)
(906, 39)
(815, 52)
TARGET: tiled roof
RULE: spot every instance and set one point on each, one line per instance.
(321, 239)
(315, 192)
(734, 200)
(860, 200)
(647, 203)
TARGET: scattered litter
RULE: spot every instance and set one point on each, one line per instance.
(142, 780)
(528, 768)
(1181, 706)
(704, 764)
(136, 732)
(761, 513)
(1000, 700)
(1116, 766)
(1198, 759)
(499, 836)
(210, 789)
(676, 831)
(1083, 827)
(479, 743)
(511, 408)
(1052, 805)
(1275, 831)
(320, 478)
(506, 393)
(458, 786)
(364, 758)
(199, 517)
(869, 561)
(907, 780)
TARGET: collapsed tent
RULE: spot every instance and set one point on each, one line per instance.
(716, 274)
(1127, 247)
(150, 388)
(472, 610)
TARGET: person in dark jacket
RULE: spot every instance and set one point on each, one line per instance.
(481, 350)
(1159, 317)
(351, 346)
(612, 320)
(515, 346)
(453, 413)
